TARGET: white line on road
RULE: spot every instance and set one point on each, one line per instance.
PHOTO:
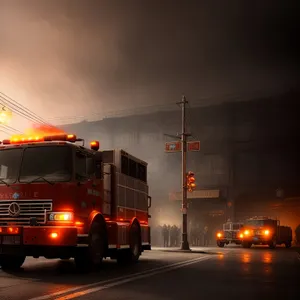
(101, 285)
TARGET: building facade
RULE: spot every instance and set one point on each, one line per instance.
(249, 150)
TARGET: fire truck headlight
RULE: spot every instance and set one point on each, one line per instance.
(61, 216)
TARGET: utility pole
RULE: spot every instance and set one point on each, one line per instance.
(184, 135)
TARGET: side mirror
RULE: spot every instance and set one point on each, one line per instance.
(149, 201)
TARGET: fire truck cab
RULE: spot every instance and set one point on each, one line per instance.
(59, 199)
(230, 234)
(266, 231)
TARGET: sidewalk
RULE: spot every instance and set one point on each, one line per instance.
(204, 250)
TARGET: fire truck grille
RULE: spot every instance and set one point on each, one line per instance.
(231, 234)
(27, 209)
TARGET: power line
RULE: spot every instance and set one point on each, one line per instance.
(13, 102)
(21, 110)
(10, 128)
(6, 132)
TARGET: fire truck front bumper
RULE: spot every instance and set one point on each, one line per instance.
(35, 240)
(49, 236)
(228, 241)
(258, 240)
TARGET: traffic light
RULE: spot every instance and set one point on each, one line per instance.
(191, 185)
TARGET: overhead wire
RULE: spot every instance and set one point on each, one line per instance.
(7, 127)
(6, 132)
(8, 103)
(21, 110)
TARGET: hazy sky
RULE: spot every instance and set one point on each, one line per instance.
(64, 58)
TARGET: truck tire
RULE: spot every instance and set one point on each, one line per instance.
(246, 244)
(220, 244)
(288, 244)
(135, 242)
(92, 255)
(133, 254)
(273, 244)
(11, 262)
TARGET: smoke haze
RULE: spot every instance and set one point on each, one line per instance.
(63, 58)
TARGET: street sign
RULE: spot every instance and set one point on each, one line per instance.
(197, 194)
(173, 146)
(193, 146)
(176, 146)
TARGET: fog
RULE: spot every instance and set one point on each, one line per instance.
(69, 58)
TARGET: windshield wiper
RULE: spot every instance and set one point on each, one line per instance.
(43, 178)
(2, 181)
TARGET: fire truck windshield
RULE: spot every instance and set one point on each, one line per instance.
(257, 223)
(52, 163)
(10, 160)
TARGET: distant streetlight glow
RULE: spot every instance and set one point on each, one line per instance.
(5, 116)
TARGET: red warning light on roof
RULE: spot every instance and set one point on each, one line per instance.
(95, 145)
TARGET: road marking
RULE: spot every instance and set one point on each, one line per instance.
(105, 284)
(132, 278)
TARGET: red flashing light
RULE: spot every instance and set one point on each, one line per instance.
(21, 140)
(10, 230)
(95, 145)
(6, 142)
(61, 137)
(27, 139)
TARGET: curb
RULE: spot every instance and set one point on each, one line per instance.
(186, 251)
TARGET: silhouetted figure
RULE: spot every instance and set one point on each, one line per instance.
(165, 235)
(205, 235)
(178, 236)
(174, 236)
(169, 232)
(198, 236)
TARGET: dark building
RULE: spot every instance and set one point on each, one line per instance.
(249, 150)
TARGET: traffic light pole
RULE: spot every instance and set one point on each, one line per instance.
(184, 134)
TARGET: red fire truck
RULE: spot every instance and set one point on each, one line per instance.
(59, 199)
(265, 231)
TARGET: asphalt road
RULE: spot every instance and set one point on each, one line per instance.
(229, 273)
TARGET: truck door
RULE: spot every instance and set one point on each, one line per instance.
(88, 195)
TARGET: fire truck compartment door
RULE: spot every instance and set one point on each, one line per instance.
(107, 169)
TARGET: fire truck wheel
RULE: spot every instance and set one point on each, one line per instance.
(11, 261)
(220, 244)
(273, 244)
(134, 252)
(94, 254)
(288, 245)
(135, 243)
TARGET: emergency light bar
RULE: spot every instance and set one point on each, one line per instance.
(60, 137)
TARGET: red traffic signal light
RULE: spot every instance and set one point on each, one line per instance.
(191, 185)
